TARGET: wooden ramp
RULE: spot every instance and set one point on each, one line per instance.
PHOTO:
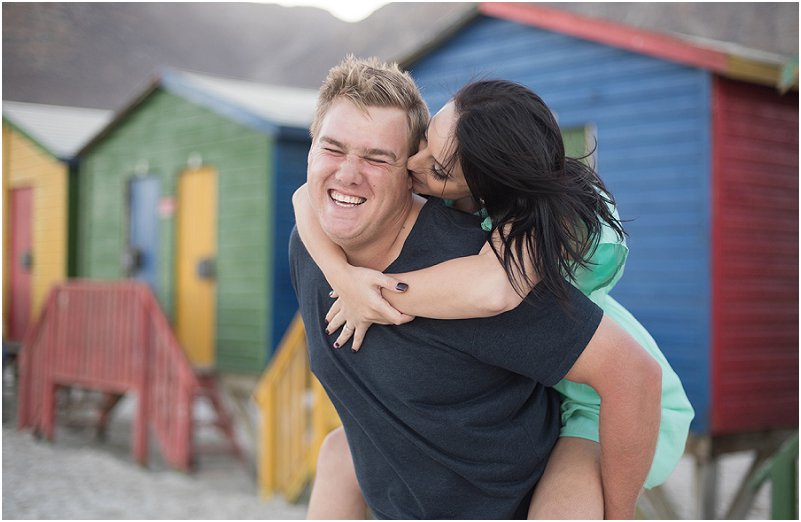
(296, 415)
(113, 337)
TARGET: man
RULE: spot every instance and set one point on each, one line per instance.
(449, 419)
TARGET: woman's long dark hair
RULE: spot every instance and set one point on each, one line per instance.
(546, 207)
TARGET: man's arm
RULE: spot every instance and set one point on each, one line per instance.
(629, 382)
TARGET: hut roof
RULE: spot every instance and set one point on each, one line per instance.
(61, 131)
(276, 105)
(726, 58)
(266, 108)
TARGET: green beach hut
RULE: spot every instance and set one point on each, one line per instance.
(189, 190)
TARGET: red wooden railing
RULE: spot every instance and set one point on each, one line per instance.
(112, 337)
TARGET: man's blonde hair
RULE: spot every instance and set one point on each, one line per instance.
(369, 82)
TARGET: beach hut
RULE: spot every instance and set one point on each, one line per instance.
(40, 143)
(698, 141)
(189, 189)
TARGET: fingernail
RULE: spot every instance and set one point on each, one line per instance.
(327, 332)
(354, 350)
(401, 287)
(331, 293)
(336, 346)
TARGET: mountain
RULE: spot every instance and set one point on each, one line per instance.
(101, 54)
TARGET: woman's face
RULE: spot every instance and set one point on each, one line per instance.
(428, 165)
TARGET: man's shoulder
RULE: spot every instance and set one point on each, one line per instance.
(450, 224)
(440, 233)
(451, 216)
(294, 239)
(297, 250)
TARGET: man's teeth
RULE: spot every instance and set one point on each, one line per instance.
(345, 199)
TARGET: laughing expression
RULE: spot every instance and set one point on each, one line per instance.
(357, 177)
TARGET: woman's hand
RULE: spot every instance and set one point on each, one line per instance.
(360, 304)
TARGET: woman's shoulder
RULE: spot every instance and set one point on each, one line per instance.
(605, 266)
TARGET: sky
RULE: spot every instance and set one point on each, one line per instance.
(347, 10)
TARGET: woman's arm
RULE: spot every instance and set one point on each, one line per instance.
(465, 287)
(359, 287)
(471, 286)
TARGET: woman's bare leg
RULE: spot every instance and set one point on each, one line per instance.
(570, 487)
(336, 494)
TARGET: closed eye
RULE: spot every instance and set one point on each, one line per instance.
(377, 161)
(439, 173)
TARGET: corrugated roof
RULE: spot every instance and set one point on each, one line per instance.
(61, 130)
(279, 105)
(267, 108)
(723, 57)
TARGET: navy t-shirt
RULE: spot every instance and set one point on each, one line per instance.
(447, 418)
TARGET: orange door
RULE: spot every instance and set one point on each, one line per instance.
(195, 257)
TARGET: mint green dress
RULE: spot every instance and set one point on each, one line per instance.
(580, 403)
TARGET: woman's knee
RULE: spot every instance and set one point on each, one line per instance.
(335, 455)
(336, 493)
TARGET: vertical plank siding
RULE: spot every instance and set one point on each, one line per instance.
(291, 163)
(653, 128)
(26, 164)
(755, 321)
(158, 138)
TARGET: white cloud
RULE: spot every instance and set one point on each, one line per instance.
(349, 11)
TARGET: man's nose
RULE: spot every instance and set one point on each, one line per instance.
(349, 170)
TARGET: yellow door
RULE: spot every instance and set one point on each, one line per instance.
(196, 257)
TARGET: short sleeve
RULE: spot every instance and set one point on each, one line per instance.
(605, 266)
(294, 248)
(542, 338)
(486, 220)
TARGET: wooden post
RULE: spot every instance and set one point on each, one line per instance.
(784, 478)
(140, 442)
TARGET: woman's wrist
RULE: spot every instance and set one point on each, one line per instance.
(338, 275)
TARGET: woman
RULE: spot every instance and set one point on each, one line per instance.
(497, 149)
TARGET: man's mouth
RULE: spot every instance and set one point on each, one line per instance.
(344, 200)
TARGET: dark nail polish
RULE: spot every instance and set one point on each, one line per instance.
(327, 332)
(354, 350)
(401, 287)
(336, 346)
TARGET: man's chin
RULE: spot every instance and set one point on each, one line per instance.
(340, 235)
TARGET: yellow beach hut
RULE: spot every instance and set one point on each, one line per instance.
(39, 179)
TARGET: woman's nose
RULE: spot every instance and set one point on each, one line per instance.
(413, 163)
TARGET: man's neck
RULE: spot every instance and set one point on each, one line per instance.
(380, 253)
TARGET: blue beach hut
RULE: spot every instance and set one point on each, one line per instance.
(699, 144)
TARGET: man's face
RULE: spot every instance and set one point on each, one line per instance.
(357, 177)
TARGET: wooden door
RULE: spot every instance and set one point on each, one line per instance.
(143, 233)
(195, 257)
(21, 262)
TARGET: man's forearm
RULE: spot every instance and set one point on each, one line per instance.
(629, 427)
